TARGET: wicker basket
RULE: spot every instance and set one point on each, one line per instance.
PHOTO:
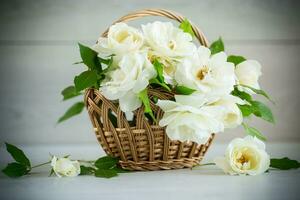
(141, 144)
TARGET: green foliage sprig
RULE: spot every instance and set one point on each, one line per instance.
(159, 79)
(186, 26)
(252, 107)
(104, 167)
(217, 46)
(91, 78)
(21, 166)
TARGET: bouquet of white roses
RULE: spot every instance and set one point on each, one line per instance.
(213, 91)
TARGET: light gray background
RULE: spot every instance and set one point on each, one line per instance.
(38, 46)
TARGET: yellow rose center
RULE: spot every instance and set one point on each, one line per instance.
(230, 117)
(245, 159)
(242, 160)
(122, 36)
(201, 73)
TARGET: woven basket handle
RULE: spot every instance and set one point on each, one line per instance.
(163, 13)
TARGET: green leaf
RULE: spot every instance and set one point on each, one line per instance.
(241, 94)
(284, 163)
(257, 108)
(155, 99)
(18, 154)
(186, 26)
(84, 170)
(235, 59)
(260, 92)
(72, 111)
(246, 110)
(159, 70)
(143, 95)
(85, 80)
(15, 170)
(159, 79)
(217, 46)
(180, 89)
(106, 173)
(106, 162)
(157, 82)
(254, 132)
(108, 62)
(262, 111)
(89, 57)
(70, 92)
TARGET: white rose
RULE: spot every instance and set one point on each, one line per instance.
(65, 167)
(205, 73)
(121, 39)
(166, 40)
(169, 44)
(244, 156)
(125, 82)
(248, 73)
(188, 119)
(231, 115)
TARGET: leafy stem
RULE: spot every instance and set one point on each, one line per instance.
(91, 78)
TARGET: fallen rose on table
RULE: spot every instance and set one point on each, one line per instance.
(105, 167)
(243, 156)
(248, 156)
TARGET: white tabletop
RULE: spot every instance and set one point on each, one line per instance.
(205, 183)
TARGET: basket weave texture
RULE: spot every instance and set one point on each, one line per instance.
(142, 144)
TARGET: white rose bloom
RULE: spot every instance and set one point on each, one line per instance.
(206, 73)
(166, 40)
(65, 167)
(248, 73)
(168, 43)
(244, 156)
(125, 82)
(231, 115)
(121, 39)
(188, 119)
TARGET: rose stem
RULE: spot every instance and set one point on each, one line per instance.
(45, 163)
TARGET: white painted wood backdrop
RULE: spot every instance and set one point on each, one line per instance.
(38, 46)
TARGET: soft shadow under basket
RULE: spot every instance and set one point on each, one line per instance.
(142, 144)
